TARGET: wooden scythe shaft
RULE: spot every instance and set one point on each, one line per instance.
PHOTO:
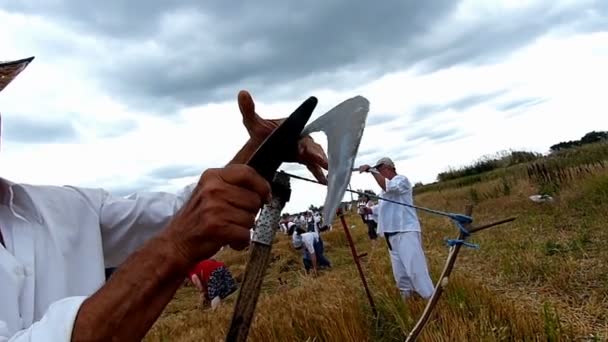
(441, 284)
(259, 258)
(447, 271)
(356, 257)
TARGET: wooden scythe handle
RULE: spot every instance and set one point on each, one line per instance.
(259, 258)
(441, 283)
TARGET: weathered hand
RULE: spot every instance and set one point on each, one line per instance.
(364, 168)
(310, 153)
(220, 211)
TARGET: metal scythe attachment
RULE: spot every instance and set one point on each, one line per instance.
(343, 125)
(281, 145)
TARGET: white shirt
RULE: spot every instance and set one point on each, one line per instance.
(393, 217)
(360, 206)
(58, 242)
(369, 205)
(317, 219)
(309, 239)
(374, 214)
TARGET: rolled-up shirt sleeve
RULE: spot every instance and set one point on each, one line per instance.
(127, 222)
(309, 245)
(55, 325)
(397, 185)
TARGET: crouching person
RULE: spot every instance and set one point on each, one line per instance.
(214, 281)
(311, 245)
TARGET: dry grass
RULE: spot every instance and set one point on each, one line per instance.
(543, 277)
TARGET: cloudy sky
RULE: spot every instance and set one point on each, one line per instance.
(141, 95)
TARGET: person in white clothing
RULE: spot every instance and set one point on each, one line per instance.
(317, 220)
(55, 242)
(311, 245)
(401, 228)
(371, 224)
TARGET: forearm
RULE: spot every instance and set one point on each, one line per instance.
(380, 180)
(314, 262)
(126, 307)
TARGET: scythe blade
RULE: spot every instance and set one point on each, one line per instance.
(343, 125)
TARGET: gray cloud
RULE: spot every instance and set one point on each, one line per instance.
(520, 104)
(370, 151)
(408, 149)
(115, 129)
(434, 134)
(176, 171)
(474, 100)
(404, 155)
(459, 105)
(27, 130)
(165, 56)
(493, 38)
(428, 110)
(379, 119)
(156, 178)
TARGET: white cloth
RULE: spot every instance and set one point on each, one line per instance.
(317, 219)
(409, 265)
(375, 210)
(282, 227)
(309, 240)
(58, 242)
(394, 217)
(360, 206)
(370, 205)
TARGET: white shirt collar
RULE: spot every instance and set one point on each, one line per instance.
(16, 198)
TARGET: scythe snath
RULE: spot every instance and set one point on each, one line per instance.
(343, 126)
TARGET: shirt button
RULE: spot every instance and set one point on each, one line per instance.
(19, 271)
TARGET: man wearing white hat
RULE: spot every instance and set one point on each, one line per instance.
(400, 226)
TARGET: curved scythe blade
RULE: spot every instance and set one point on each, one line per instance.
(343, 125)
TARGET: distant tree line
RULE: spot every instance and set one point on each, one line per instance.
(489, 163)
(589, 138)
(509, 158)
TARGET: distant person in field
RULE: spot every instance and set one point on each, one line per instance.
(311, 245)
(214, 281)
(368, 217)
(401, 228)
(361, 203)
(310, 223)
(318, 221)
(289, 225)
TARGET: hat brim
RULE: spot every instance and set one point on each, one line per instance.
(10, 70)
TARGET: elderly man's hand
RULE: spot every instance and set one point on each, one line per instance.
(364, 168)
(310, 153)
(220, 211)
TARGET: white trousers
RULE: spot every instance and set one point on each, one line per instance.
(409, 265)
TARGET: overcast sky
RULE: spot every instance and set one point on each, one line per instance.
(141, 95)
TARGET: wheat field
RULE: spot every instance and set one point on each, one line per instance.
(543, 277)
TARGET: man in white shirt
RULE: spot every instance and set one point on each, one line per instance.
(317, 219)
(361, 204)
(56, 240)
(368, 217)
(401, 228)
(311, 245)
